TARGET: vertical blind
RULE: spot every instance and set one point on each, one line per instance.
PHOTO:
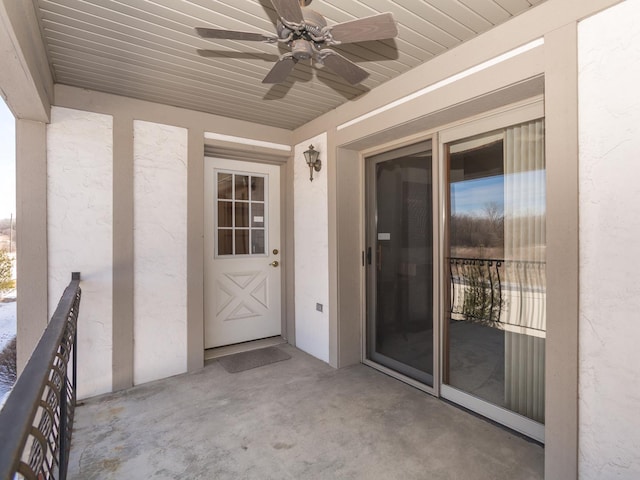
(525, 260)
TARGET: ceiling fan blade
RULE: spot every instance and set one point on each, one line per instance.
(344, 67)
(289, 11)
(280, 70)
(217, 33)
(376, 27)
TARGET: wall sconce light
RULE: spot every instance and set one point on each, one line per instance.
(311, 156)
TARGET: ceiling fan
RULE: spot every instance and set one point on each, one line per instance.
(307, 34)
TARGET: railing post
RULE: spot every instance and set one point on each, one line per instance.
(75, 276)
(62, 434)
(500, 303)
(65, 433)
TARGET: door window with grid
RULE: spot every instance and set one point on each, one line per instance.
(241, 221)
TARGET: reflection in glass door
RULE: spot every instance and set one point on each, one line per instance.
(495, 327)
(400, 261)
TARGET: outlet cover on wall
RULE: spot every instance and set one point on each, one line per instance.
(319, 307)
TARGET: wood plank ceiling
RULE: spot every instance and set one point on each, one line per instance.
(147, 49)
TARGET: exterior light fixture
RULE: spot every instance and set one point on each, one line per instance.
(311, 156)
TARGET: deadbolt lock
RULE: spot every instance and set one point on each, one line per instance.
(276, 251)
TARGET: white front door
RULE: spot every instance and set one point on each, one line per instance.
(242, 251)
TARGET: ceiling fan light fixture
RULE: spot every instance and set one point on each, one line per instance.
(301, 50)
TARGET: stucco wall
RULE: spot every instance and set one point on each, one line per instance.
(609, 121)
(80, 233)
(160, 246)
(311, 251)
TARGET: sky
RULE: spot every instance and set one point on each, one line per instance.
(7, 162)
(470, 197)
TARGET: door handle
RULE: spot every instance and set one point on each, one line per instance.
(275, 263)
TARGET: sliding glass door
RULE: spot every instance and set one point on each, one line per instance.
(456, 266)
(400, 301)
(495, 324)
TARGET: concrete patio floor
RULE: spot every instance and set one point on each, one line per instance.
(295, 419)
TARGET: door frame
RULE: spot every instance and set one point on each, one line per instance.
(287, 322)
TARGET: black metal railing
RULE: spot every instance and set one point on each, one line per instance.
(483, 289)
(37, 418)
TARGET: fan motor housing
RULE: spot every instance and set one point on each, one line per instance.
(314, 22)
(313, 25)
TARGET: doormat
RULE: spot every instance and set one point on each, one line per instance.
(239, 362)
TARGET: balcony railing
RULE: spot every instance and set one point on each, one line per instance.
(498, 292)
(37, 418)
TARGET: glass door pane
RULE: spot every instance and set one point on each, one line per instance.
(494, 335)
(241, 220)
(400, 266)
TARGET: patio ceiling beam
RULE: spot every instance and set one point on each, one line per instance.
(26, 83)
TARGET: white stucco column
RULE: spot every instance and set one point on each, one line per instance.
(609, 122)
(311, 236)
(80, 233)
(160, 251)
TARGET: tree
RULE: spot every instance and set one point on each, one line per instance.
(6, 264)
